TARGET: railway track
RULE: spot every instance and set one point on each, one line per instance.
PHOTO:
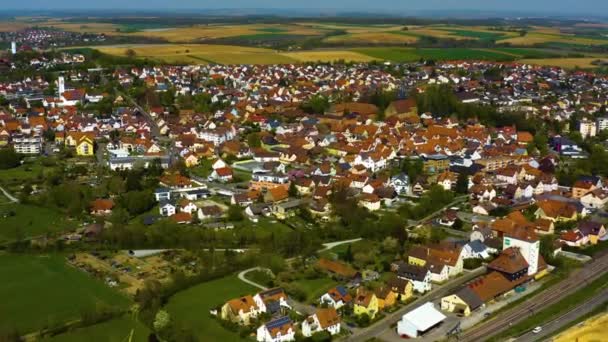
(587, 274)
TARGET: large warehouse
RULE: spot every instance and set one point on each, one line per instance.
(419, 321)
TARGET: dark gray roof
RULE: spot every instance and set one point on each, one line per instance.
(469, 297)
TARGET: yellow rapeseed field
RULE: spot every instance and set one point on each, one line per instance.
(328, 56)
(592, 330)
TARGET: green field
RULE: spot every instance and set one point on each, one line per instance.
(268, 36)
(118, 329)
(37, 290)
(397, 54)
(259, 277)
(23, 220)
(481, 35)
(29, 171)
(191, 307)
(315, 288)
(527, 53)
(272, 30)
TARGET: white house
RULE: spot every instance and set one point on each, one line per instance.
(401, 184)
(595, 199)
(419, 276)
(323, 320)
(336, 297)
(278, 330)
(167, 209)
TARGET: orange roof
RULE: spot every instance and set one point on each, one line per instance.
(278, 193)
(336, 267)
(244, 304)
(509, 261)
(181, 217)
(327, 317)
(493, 285)
(102, 205)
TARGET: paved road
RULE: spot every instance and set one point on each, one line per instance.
(8, 195)
(574, 282)
(154, 129)
(571, 316)
(381, 327)
(252, 283)
(331, 245)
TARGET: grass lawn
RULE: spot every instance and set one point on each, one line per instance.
(191, 307)
(259, 277)
(30, 220)
(37, 289)
(265, 227)
(315, 288)
(118, 329)
(30, 171)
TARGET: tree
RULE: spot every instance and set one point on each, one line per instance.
(253, 140)
(137, 202)
(462, 184)
(348, 255)
(390, 244)
(317, 104)
(292, 191)
(9, 159)
(161, 320)
(130, 53)
(235, 213)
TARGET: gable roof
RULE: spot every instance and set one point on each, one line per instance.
(509, 261)
(327, 317)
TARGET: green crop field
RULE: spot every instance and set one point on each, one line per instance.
(481, 35)
(119, 329)
(394, 54)
(41, 289)
(410, 54)
(191, 307)
(526, 53)
(22, 220)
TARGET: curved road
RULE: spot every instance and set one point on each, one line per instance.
(8, 195)
(254, 284)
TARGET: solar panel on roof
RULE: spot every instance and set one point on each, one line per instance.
(278, 322)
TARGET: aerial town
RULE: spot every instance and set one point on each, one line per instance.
(433, 200)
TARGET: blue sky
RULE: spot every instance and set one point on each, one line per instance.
(597, 7)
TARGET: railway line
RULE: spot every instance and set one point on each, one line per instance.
(575, 281)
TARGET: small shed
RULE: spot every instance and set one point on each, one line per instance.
(419, 321)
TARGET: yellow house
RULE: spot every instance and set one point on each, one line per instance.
(366, 303)
(556, 211)
(240, 310)
(85, 146)
(386, 297)
(455, 304)
(191, 160)
(403, 288)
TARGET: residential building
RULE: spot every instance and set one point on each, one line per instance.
(324, 319)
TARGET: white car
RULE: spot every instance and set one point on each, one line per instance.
(537, 330)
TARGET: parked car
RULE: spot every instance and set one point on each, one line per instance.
(537, 330)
